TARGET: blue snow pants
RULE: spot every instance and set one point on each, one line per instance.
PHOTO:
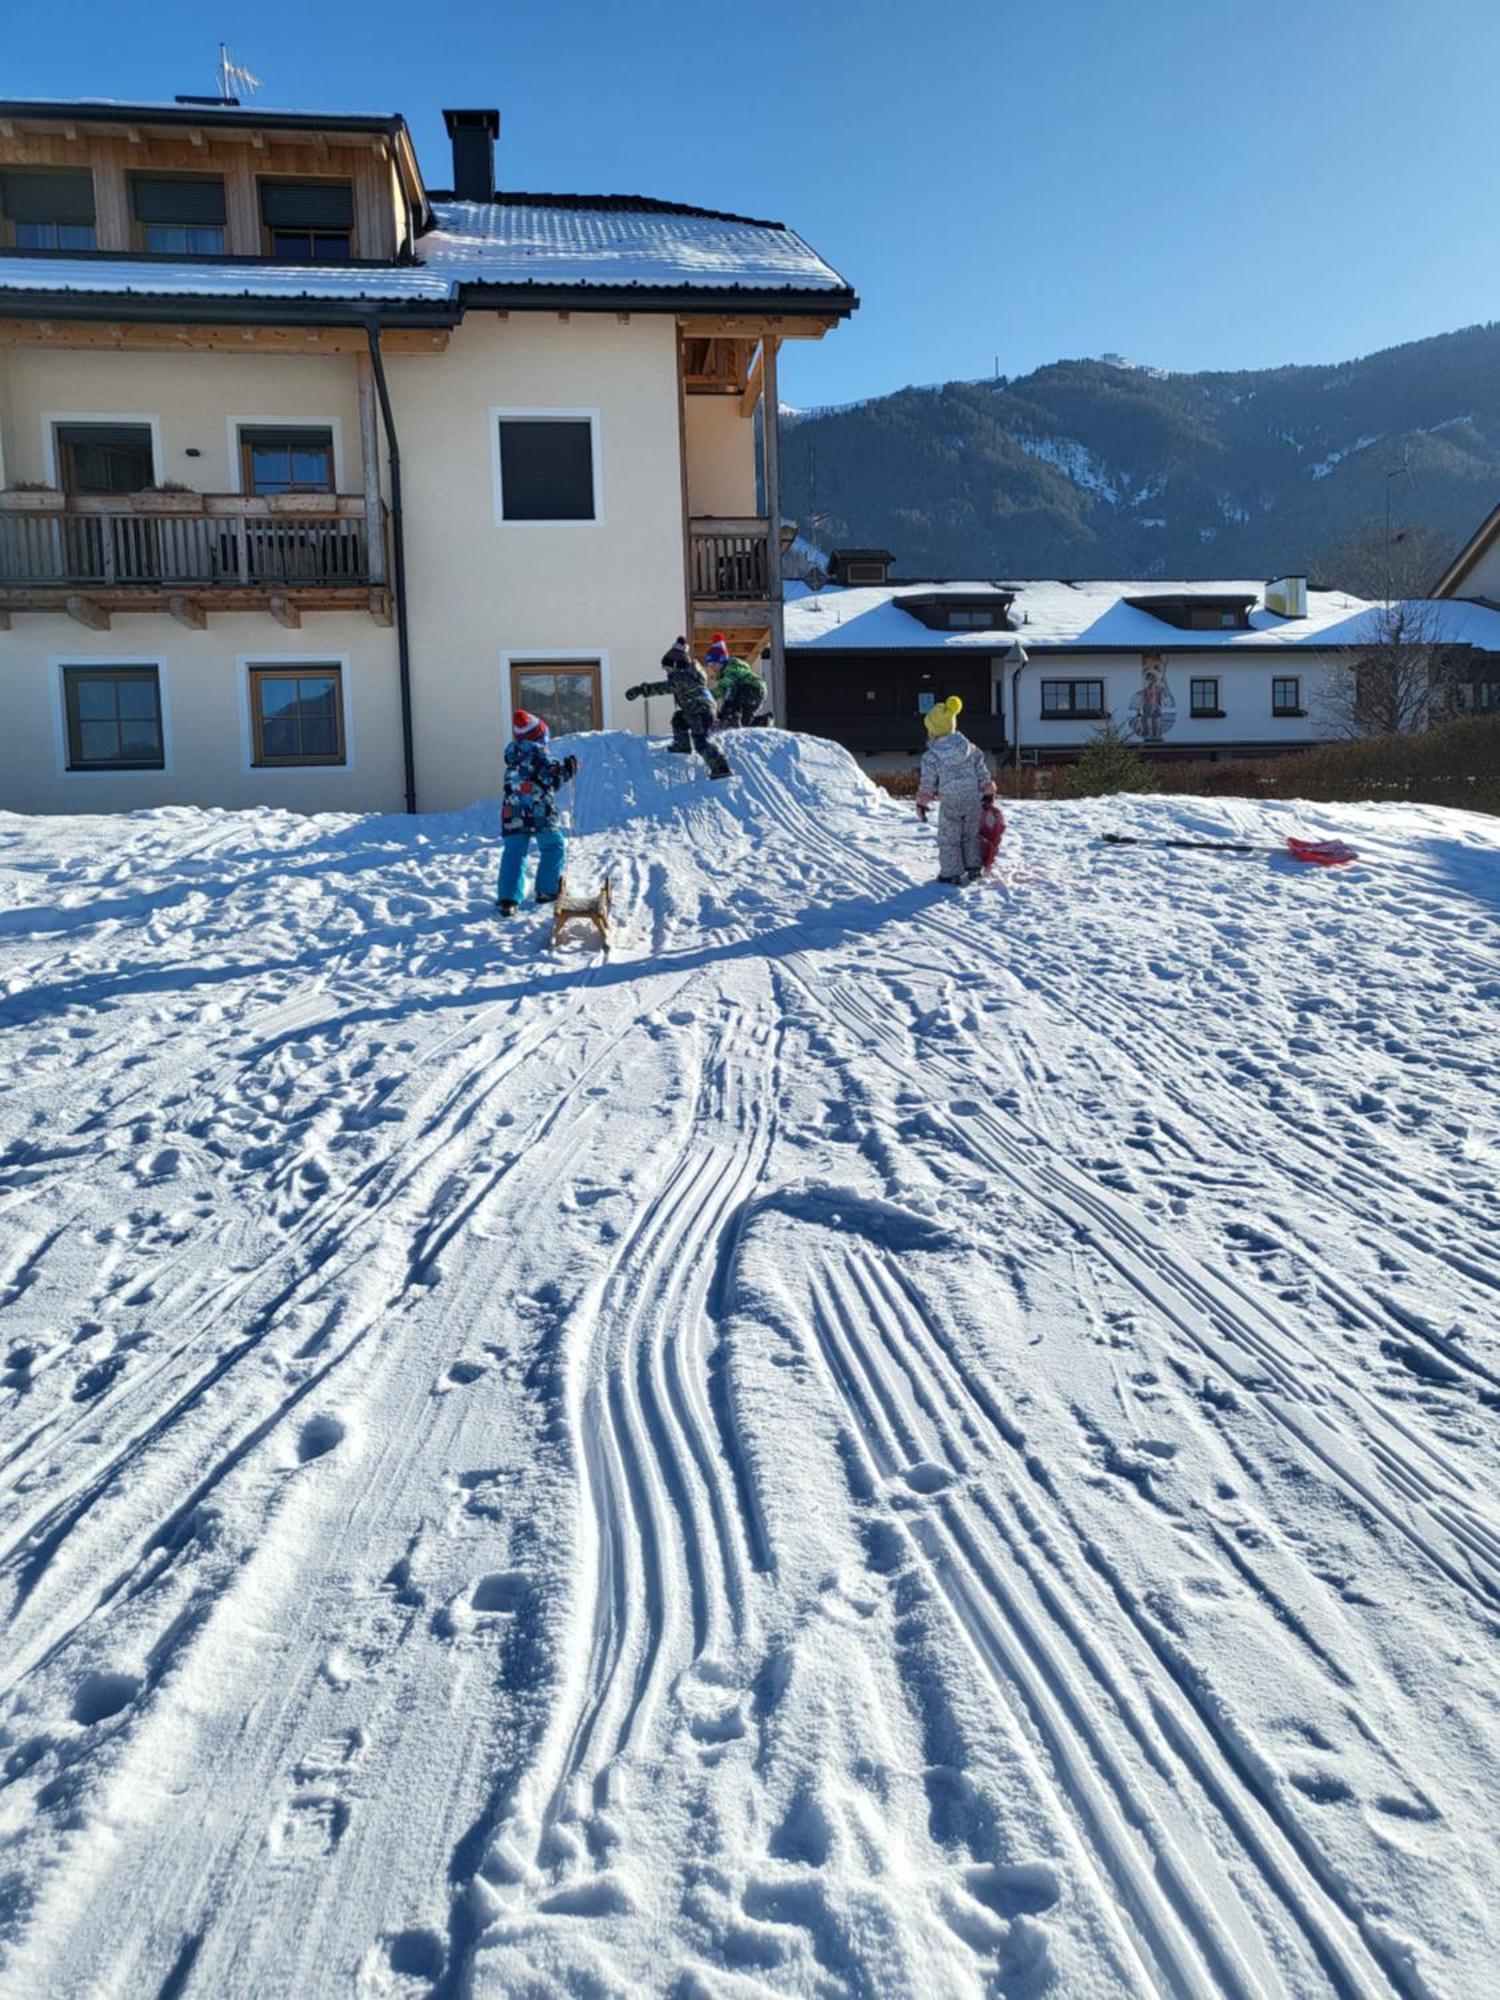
(514, 848)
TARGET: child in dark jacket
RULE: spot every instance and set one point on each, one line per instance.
(695, 716)
(528, 811)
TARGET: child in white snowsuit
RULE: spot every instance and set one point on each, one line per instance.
(695, 716)
(954, 775)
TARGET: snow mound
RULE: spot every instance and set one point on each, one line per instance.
(623, 777)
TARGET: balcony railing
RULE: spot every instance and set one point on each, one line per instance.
(730, 561)
(201, 543)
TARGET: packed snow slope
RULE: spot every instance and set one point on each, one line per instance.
(874, 1442)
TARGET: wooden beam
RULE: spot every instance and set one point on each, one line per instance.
(187, 613)
(4, 621)
(682, 460)
(770, 412)
(725, 327)
(380, 607)
(87, 613)
(284, 612)
(754, 385)
(369, 459)
(93, 335)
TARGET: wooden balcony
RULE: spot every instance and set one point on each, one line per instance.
(191, 554)
(729, 565)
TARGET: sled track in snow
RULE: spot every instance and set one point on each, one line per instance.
(1127, 1730)
(671, 1522)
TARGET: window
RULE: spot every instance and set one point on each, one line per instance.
(1203, 697)
(297, 714)
(308, 222)
(179, 214)
(105, 458)
(968, 617)
(114, 718)
(1286, 697)
(293, 460)
(48, 211)
(1072, 698)
(546, 468)
(564, 693)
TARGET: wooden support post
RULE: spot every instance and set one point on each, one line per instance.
(187, 613)
(687, 525)
(88, 613)
(4, 621)
(111, 202)
(770, 406)
(285, 613)
(241, 208)
(369, 458)
(755, 383)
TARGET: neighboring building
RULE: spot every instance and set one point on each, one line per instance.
(310, 475)
(1188, 670)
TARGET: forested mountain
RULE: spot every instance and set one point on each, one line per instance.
(1101, 468)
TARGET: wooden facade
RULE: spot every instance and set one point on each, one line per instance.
(872, 702)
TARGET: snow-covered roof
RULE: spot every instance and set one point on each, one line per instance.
(1097, 613)
(150, 278)
(616, 242)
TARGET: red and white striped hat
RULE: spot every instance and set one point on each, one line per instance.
(527, 728)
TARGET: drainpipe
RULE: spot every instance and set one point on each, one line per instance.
(1017, 659)
(398, 560)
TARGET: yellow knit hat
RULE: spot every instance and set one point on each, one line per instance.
(942, 717)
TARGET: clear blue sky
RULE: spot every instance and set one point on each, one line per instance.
(1192, 183)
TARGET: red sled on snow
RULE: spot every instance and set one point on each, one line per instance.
(1316, 853)
(991, 833)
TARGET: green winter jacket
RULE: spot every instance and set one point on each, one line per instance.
(739, 673)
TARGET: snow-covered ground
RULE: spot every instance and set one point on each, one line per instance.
(873, 1442)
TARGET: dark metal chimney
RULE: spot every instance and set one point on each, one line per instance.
(473, 134)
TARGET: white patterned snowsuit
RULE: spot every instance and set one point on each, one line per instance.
(954, 772)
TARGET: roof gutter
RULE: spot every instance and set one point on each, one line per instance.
(726, 300)
(161, 309)
(398, 559)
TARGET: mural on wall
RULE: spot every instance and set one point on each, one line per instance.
(1152, 708)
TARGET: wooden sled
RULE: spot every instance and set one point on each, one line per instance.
(588, 909)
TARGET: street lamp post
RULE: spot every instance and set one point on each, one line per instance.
(1016, 659)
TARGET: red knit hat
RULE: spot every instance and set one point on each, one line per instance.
(528, 728)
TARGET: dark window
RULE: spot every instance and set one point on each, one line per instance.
(866, 572)
(547, 469)
(297, 714)
(49, 211)
(1203, 697)
(114, 718)
(1286, 697)
(181, 214)
(966, 616)
(1072, 698)
(105, 458)
(293, 460)
(565, 694)
(308, 222)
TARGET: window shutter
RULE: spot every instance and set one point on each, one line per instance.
(177, 198)
(60, 197)
(307, 204)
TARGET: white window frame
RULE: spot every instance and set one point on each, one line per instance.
(505, 413)
(103, 662)
(243, 662)
(235, 425)
(52, 418)
(528, 656)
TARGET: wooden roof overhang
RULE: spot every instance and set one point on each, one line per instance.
(243, 325)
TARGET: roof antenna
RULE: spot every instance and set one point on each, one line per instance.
(234, 80)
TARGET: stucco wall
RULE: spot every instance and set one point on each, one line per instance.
(480, 590)
(190, 396)
(720, 457)
(1244, 695)
(205, 714)
(1483, 579)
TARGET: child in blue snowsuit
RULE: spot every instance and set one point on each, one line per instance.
(528, 811)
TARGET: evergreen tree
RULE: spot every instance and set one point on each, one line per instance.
(1110, 763)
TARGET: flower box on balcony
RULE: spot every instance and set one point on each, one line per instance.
(165, 500)
(31, 500)
(300, 503)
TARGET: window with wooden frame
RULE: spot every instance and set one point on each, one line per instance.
(567, 694)
(308, 222)
(178, 215)
(42, 210)
(1067, 700)
(113, 718)
(546, 467)
(297, 714)
(104, 458)
(1203, 698)
(286, 459)
(1286, 696)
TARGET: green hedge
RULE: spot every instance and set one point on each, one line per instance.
(1457, 765)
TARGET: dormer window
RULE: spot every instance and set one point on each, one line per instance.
(179, 215)
(308, 222)
(979, 610)
(1198, 611)
(851, 566)
(965, 618)
(47, 211)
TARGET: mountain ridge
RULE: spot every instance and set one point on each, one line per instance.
(1106, 467)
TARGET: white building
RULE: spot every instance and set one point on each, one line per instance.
(310, 475)
(1206, 670)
